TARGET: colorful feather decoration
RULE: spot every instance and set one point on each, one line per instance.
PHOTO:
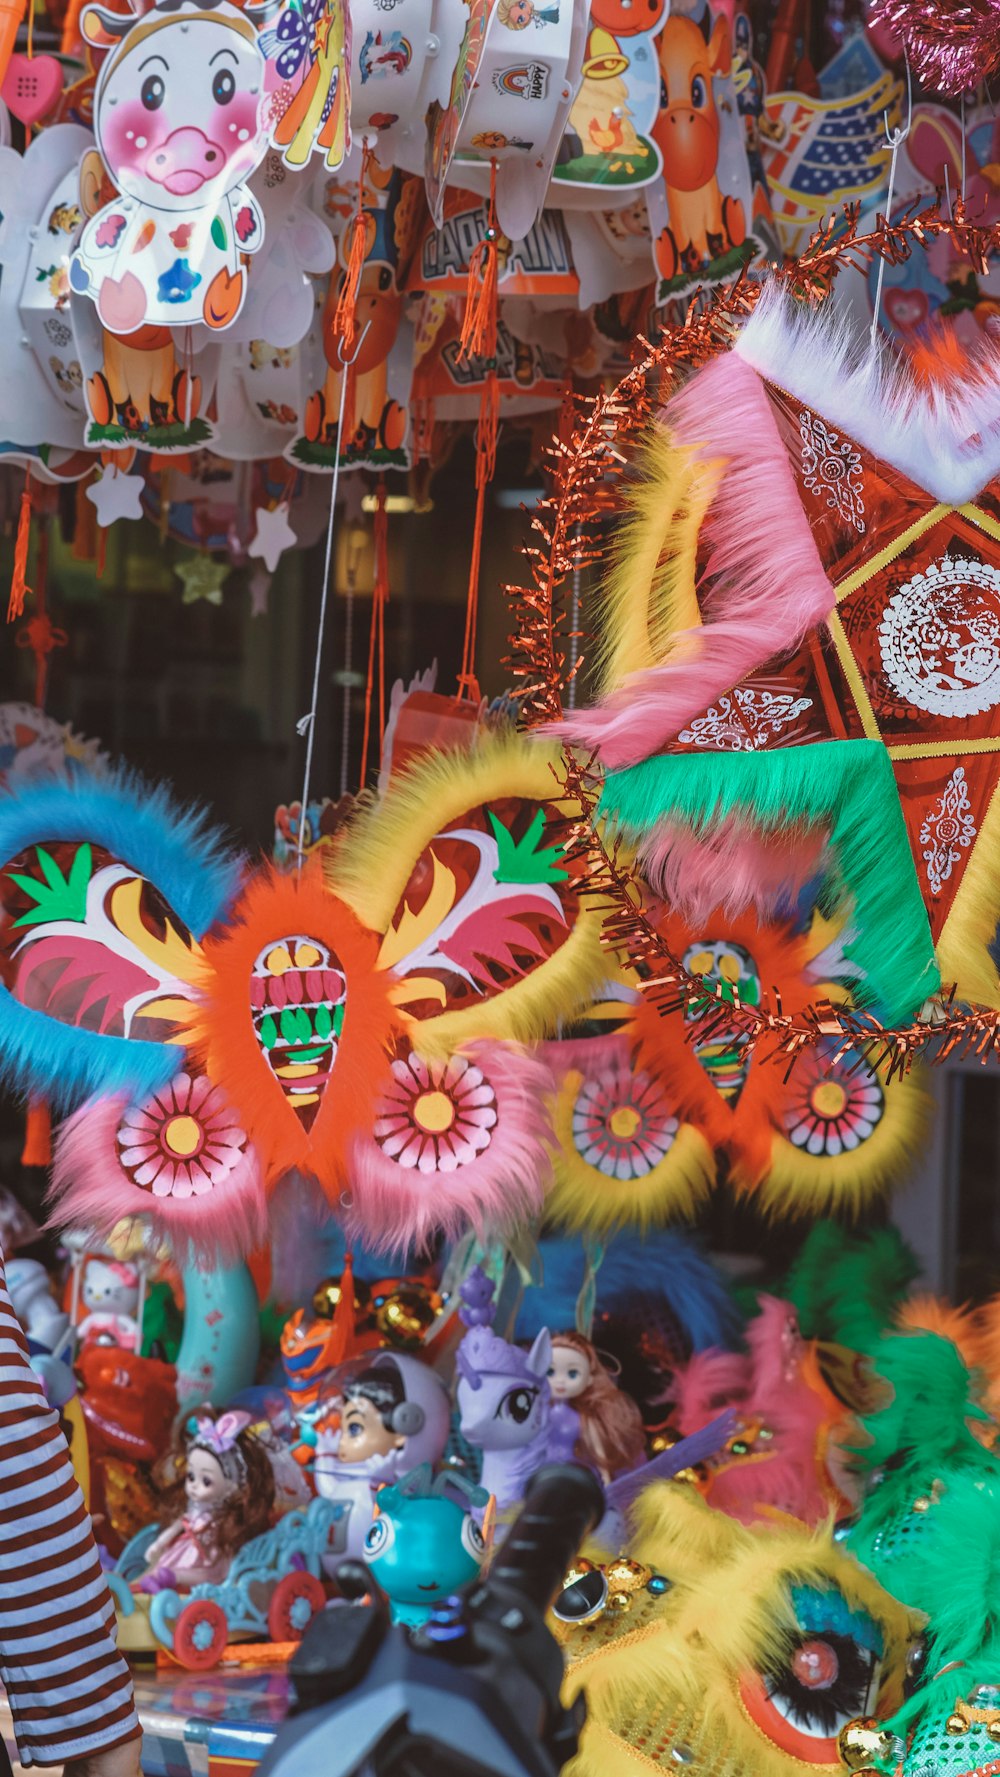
(181, 1147)
(97, 976)
(451, 1145)
(845, 788)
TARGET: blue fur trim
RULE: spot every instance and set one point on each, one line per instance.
(667, 1263)
(177, 850)
(60, 1064)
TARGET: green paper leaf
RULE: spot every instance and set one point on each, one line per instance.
(218, 233)
(523, 860)
(59, 896)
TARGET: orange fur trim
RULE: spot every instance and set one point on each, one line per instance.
(932, 1314)
(273, 908)
(780, 958)
(986, 1349)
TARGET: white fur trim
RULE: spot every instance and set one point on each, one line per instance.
(946, 442)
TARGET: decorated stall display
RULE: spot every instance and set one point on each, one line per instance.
(723, 1648)
(813, 701)
(368, 1048)
(178, 116)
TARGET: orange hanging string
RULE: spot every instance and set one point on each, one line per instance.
(37, 1149)
(479, 339)
(19, 587)
(380, 596)
(344, 318)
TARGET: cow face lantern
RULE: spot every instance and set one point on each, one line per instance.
(177, 115)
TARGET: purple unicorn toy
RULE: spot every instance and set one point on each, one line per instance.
(506, 1410)
(504, 1401)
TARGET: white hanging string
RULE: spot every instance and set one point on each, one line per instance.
(307, 724)
(895, 139)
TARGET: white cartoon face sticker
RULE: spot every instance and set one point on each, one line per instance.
(178, 114)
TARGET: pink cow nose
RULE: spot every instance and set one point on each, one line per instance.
(185, 161)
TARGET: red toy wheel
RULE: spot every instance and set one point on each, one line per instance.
(200, 1635)
(297, 1598)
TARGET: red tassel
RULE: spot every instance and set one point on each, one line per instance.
(19, 587)
(37, 1135)
(345, 316)
(479, 323)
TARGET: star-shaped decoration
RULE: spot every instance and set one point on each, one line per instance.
(272, 536)
(114, 495)
(260, 586)
(202, 578)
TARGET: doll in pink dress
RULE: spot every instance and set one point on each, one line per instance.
(222, 1498)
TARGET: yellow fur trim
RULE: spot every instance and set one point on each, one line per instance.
(372, 867)
(802, 1184)
(646, 600)
(963, 946)
(585, 1200)
(666, 1677)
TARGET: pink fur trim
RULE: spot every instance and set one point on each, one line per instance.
(732, 867)
(90, 1188)
(406, 1186)
(767, 587)
(707, 1383)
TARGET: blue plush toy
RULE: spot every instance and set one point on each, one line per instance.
(423, 1544)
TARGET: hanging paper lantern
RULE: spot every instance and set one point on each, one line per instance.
(179, 144)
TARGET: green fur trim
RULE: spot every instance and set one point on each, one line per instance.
(846, 1286)
(844, 786)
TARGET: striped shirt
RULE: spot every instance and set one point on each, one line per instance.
(69, 1689)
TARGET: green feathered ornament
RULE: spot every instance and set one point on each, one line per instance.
(929, 1531)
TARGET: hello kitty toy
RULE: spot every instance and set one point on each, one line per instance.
(178, 121)
(110, 1296)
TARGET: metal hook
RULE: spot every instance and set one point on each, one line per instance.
(346, 363)
(895, 139)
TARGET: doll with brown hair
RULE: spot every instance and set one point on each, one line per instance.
(220, 1495)
(611, 1437)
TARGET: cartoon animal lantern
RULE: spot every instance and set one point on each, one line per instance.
(177, 115)
(713, 1648)
(374, 421)
(232, 1029)
(704, 223)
